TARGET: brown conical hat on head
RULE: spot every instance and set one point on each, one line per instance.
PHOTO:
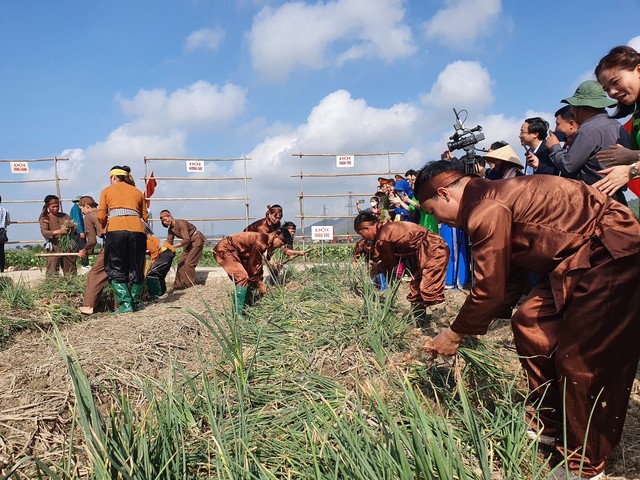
(505, 154)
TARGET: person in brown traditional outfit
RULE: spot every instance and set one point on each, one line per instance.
(577, 330)
(241, 255)
(123, 214)
(288, 249)
(362, 248)
(97, 278)
(53, 225)
(394, 241)
(270, 223)
(192, 242)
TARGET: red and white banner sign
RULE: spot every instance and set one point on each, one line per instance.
(345, 161)
(195, 166)
(322, 232)
(19, 167)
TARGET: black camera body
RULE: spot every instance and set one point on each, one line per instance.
(465, 138)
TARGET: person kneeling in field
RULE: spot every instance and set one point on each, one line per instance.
(577, 330)
(241, 255)
(394, 241)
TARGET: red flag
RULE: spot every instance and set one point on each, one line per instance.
(150, 187)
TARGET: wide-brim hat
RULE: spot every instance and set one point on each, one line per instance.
(505, 154)
(590, 94)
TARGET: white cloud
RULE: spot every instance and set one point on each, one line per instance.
(462, 84)
(208, 39)
(635, 43)
(199, 105)
(339, 124)
(462, 22)
(298, 35)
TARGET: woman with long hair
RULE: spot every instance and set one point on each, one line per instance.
(54, 225)
(123, 213)
(619, 74)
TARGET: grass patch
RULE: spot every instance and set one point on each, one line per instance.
(308, 384)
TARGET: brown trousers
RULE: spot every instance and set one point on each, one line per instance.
(67, 264)
(96, 280)
(231, 263)
(186, 271)
(581, 361)
(428, 279)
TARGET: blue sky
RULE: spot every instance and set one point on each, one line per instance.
(108, 83)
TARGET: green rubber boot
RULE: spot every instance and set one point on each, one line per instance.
(123, 296)
(239, 299)
(155, 287)
(136, 296)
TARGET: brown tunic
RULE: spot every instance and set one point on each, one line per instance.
(577, 330)
(397, 240)
(361, 248)
(192, 242)
(241, 256)
(92, 229)
(49, 223)
(262, 226)
(96, 278)
(539, 223)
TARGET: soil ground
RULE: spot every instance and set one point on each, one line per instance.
(36, 394)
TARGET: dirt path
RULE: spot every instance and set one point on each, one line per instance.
(36, 392)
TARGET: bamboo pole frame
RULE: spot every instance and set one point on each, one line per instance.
(301, 196)
(56, 180)
(245, 178)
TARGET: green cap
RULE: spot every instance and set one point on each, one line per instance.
(590, 94)
(77, 199)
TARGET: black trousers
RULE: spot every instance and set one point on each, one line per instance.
(2, 258)
(124, 256)
(161, 266)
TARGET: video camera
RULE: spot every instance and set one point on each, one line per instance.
(464, 138)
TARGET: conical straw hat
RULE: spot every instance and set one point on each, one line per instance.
(505, 154)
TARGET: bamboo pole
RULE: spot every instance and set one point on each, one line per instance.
(145, 178)
(36, 160)
(238, 159)
(198, 198)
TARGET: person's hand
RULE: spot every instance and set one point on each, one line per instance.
(532, 159)
(262, 288)
(82, 235)
(445, 343)
(616, 178)
(82, 253)
(552, 140)
(617, 155)
(168, 246)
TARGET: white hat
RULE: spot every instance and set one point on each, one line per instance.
(505, 154)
